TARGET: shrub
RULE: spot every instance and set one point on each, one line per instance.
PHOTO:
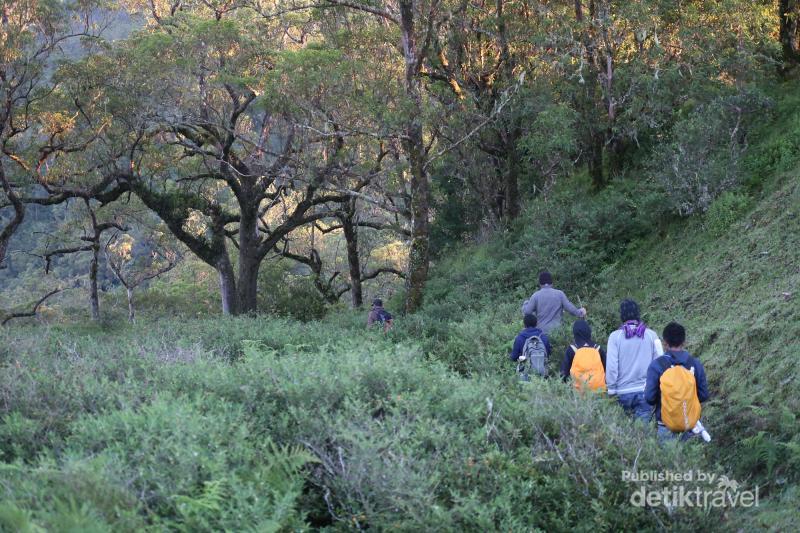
(724, 212)
(704, 158)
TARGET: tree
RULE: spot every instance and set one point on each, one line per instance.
(209, 153)
(132, 269)
(92, 239)
(789, 31)
(39, 135)
(417, 22)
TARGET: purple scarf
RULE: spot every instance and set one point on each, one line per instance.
(634, 328)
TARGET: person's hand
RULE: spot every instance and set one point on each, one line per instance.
(582, 312)
(522, 358)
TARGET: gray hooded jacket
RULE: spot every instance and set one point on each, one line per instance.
(627, 360)
(548, 304)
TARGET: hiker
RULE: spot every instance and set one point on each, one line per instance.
(548, 304)
(676, 386)
(379, 315)
(585, 360)
(630, 351)
(531, 349)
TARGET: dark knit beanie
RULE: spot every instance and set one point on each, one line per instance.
(545, 278)
(629, 310)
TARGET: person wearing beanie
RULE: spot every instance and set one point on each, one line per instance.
(549, 304)
(631, 349)
(531, 330)
(582, 334)
(379, 315)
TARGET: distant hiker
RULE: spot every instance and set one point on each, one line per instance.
(531, 349)
(676, 386)
(630, 351)
(548, 304)
(585, 360)
(379, 315)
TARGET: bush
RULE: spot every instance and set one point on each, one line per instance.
(724, 212)
(704, 158)
(390, 439)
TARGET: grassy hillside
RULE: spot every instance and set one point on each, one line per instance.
(731, 276)
(272, 424)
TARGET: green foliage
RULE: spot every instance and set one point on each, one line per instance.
(778, 149)
(284, 293)
(394, 441)
(703, 160)
(724, 212)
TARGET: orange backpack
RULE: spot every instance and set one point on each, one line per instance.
(587, 369)
(680, 406)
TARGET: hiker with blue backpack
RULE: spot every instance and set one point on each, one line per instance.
(379, 315)
(676, 386)
(631, 349)
(531, 349)
(549, 304)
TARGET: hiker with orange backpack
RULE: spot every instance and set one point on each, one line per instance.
(676, 386)
(585, 360)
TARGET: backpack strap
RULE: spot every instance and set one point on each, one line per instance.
(574, 348)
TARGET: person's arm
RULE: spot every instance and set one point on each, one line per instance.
(570, 307)
(370, 318)
(702, 385)
(516, 351)
(529, 307)
(652, 389)
(566, 364)
(612, 365)
(602, 357)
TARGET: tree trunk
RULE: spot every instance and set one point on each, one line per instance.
(789, 13)
(511, 186)
(16, 220)
(595, 159)
(353, 260)
(419, 255)
(227, 287)
(249, 261)
(131, 317)
(414, 145)
(248, 284)
(94, 297)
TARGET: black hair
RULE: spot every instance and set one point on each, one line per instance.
(545, 278)
(377, 302)
(529, 321)
(629, 310)
(674, 334)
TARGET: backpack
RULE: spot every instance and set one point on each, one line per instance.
(587, 369)
(680, 406)
(535, 355)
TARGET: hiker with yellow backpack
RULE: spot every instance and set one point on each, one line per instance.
(676, 386)
(584, 361)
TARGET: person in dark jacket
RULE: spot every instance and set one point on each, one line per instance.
(674, 337)
(582, 334)
(379, 315)
(529, 321)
